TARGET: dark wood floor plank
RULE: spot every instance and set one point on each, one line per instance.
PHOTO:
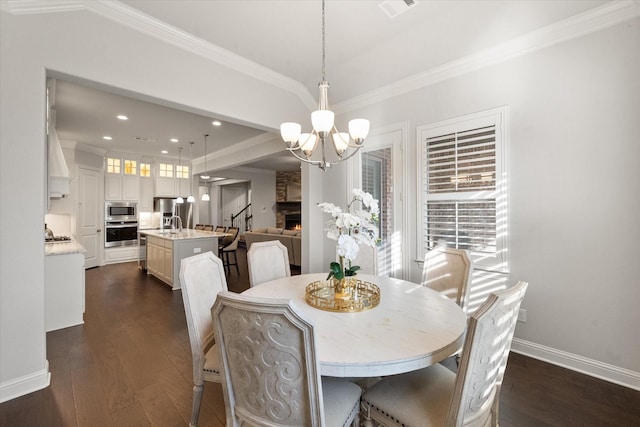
(160, 410)
(91, 403)
(130, 365)
(131, 416)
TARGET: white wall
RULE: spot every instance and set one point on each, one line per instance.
(574, 186)
(93, 48)
(262, 193)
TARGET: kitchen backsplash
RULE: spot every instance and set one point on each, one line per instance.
(60, 224)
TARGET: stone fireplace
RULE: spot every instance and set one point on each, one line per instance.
(288, 206)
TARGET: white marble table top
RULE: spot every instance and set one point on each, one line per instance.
(413, 327)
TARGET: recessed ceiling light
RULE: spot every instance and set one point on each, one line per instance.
(122, 117)
(174, 140)
(164, 152)
(205, 176)
(216, 123)
(108, 138)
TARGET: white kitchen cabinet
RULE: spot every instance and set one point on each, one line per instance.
(165, 187)
(122, 187)
(160, 258)
(120, 254)
(113, 187)
(130, 188)
(63, 291)
(183, 187)
(146, 195)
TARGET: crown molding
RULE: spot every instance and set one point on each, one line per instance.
(145, 24)
(579, 25)
(30, 7)
(576, 26)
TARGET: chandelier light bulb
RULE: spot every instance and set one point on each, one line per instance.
(191, 199)
(205, 197)
(322, 120)
(359, 129)
(290, 133)
(179, 200)
(308, 143)
(340, 142)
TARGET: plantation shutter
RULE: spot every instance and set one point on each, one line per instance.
(461, 190)
(463, 161)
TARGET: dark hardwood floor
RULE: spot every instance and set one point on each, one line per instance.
(130, 365)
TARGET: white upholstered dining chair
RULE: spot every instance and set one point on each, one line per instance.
(202, 278)
(367, 260)
(449, 271)
(267, 261)
(271, 374)
(435, 396)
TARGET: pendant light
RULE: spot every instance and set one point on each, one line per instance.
(179, 200)
(191, 199)
(205, 196)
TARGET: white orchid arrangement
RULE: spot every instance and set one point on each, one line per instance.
(351, 229)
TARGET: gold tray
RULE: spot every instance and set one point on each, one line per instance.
(359, 296)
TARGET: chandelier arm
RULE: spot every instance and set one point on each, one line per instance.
(348, 143)
(341, 159)
(303, 159)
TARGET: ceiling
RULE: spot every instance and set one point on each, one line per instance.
(365, 50)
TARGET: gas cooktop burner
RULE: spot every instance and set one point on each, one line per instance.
(57, 239)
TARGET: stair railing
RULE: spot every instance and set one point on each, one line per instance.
(247, 219)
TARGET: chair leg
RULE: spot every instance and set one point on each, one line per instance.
(197, 398)
(235, 262)
(365, 412)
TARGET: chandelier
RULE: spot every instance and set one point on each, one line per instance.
(322, 121)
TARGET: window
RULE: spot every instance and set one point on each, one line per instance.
(145, 169)
(182, 171)
(165, 170)
(463, 187)
(113, 165)
(130, 167)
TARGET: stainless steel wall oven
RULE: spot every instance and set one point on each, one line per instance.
(120, 224)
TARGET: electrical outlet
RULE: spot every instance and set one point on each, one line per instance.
(522, 315)
(197, 250)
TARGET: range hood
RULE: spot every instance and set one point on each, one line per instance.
(58, 170)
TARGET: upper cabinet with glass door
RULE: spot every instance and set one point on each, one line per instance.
(122, 182)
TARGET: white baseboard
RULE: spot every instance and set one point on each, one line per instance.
(603, 371)
(25, 384)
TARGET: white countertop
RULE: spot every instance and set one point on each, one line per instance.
(185, 234)
(62, 248)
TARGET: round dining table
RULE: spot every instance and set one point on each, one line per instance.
(411, 328)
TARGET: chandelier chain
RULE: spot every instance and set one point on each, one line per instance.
(323, 43)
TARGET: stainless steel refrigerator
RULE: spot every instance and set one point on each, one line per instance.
(168, 207)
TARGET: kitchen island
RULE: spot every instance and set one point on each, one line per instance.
(166, 249)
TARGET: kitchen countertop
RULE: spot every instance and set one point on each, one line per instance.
(185, 234)
(62, 248)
